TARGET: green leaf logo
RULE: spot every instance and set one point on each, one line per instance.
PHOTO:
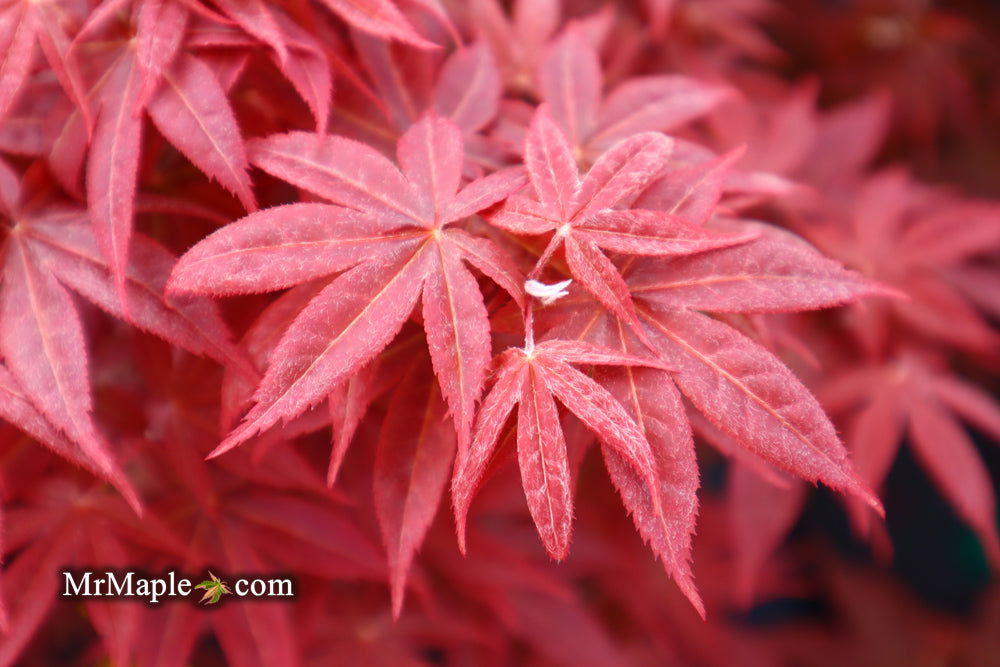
(214, 589)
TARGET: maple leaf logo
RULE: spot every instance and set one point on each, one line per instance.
(215, 588)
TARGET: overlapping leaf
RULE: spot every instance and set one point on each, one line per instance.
(744, 390)
(412, 467)
(185, 100)
(651, 312)
(393, 231)
(593, 213)
(532, 380)
(23, 24)
(569, 79)
(48, 391)
(908, 397)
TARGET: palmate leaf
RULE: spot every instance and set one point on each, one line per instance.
(16, 408)
(30, 600)
(570, 82)
(24, 23)
(595, 213)
(347, 402)
(719, 369)
(406, 83)
(395, 228)
(65, 245)
(47, 392)
(276, 517)
(214, 589)
(43, 345)
(251, 633)
(305, 64)
(531, 380)
(76, 524)
(51, 253)
(642, 304)
(183, 96)
(518, 40)
(956, 469)
(746, 392)
(910, 398)
(343, 328)
(911, 237)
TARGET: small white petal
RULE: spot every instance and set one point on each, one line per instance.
(547, 293)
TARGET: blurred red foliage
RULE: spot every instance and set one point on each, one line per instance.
(282, 279)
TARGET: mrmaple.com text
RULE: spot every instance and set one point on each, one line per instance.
(132, 585)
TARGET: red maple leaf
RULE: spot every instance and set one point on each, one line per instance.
(398, 241)
(594, 213)
(50, 250)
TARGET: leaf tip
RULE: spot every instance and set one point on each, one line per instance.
(397, 592)
(234, 439)
(698, 605)
(865, 493)
(877, 288)
(460, 527)
(133, 500)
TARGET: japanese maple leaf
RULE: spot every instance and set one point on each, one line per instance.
(414, 450)
(48, 250)
(664, 514)
(397, 242)
(23, 23)
(214, 589)
(532, 378)
(64, 522)
(785, 134)
(153, 72)
(17, 409)
(347, 402)
(913, 397)
(532, 600)
(302, 58)
(406, 82)
(913, 238)
(517, 40)
(240, 516)
(583, 214)
(569, 81)
(743, 389)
